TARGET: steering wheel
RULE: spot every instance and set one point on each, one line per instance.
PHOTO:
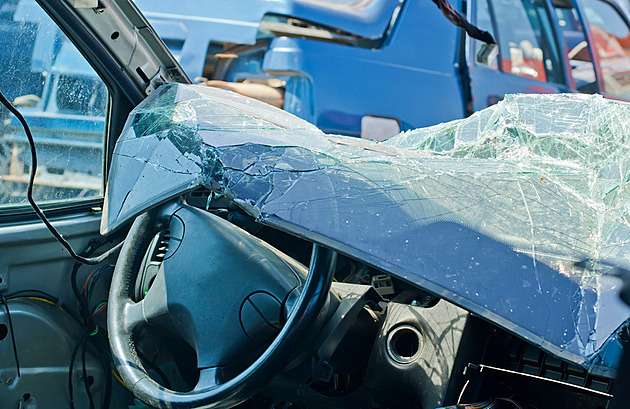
(187, 297)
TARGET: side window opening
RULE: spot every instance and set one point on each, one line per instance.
(62, 99)
(483, 20)
(576, 47)
(525, 38)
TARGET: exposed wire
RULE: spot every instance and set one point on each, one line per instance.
(91, 330)
(43, 293)
(513, 402)
(350, 276)
(87, 281)
(100, 306)
(460, 21)
(461, 394)
(86, 316)
(36, 208)
(44, 297)
(15, 353)
(86, 379)
(71, 367)
(33, 298)
(118, 378)
(488, 404)
(364, 275)
(99, 309)
(93, 278)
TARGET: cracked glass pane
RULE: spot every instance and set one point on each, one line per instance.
(491, 212)
(62, 99)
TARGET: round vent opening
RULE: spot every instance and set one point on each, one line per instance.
(404, 344)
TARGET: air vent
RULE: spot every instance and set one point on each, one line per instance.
(161, 247)
(153, 259)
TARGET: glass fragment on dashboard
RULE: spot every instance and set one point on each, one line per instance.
(491, 212)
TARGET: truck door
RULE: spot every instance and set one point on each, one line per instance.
(528, 59)
(605, 41)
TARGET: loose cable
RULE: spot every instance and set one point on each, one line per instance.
(512, 401)
(154, 367)
(86, 379)
(43, 297)
(106, 363)
(15, 353)
(71, 367)
(29, 194)
(460, 21)
(87, 317)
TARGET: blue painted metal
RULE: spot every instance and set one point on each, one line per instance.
(411, 76)
(489, 85)
(402, 80)
(415, 72)
(238, 21)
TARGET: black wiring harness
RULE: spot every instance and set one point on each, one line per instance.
(460, 21)
(42, 296)
(90, 331)
(86, 316)
(86, 319)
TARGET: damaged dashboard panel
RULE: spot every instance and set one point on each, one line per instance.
(491, 212)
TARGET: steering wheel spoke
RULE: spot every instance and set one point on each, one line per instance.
(208, 379)
(133, 316)
(144, 312)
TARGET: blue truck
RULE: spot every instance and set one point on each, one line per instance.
(349, 66)
(364, 68)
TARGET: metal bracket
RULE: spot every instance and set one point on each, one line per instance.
(158, 79)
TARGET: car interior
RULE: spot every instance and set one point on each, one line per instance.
(197, 303)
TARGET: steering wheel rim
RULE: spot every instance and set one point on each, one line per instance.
(208, 393)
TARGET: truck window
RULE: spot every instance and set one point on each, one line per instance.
(525, 38)
(483, 20)
(63, 101)
(611, 38)
(576, 47)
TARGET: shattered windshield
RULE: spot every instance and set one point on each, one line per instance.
(491, 212)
